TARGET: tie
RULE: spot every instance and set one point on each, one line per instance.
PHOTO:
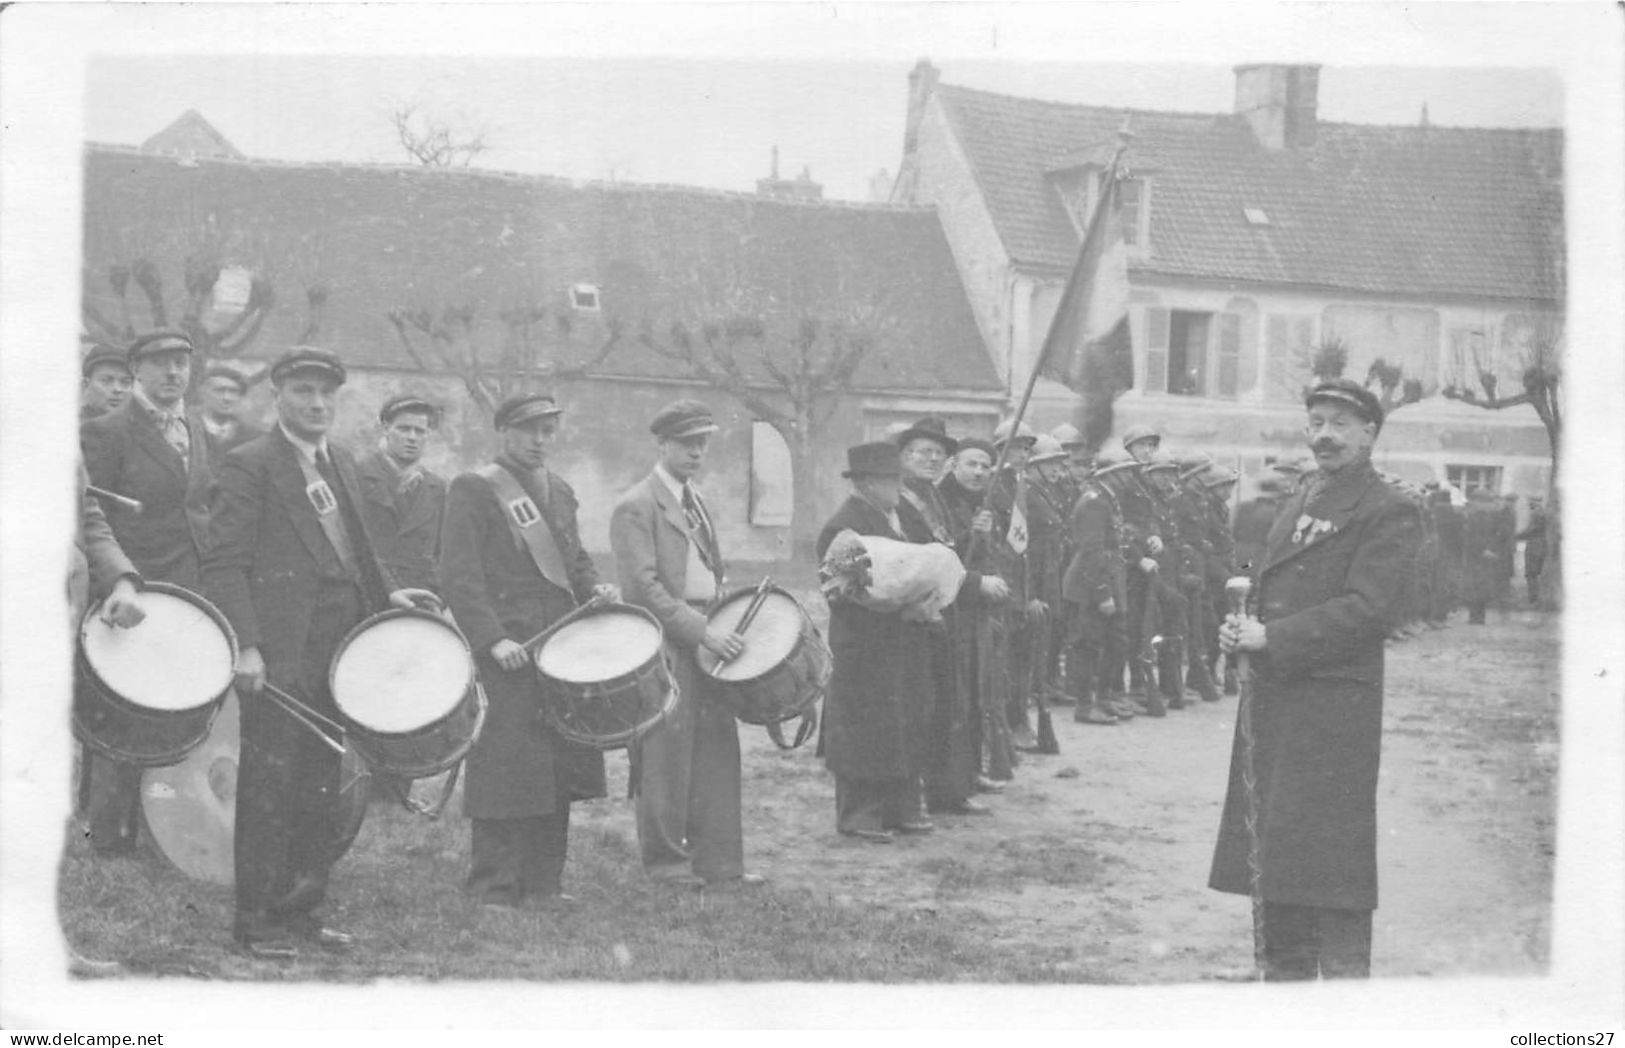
(700, 522)
(175, 433)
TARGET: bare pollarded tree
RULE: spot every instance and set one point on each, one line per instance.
(436, 141)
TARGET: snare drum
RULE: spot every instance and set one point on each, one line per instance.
(190, 808)
(605, 680)
(784, 669)
(147, 695)
(404, 685)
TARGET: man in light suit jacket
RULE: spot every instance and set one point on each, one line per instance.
(687, 779)
(151, 450)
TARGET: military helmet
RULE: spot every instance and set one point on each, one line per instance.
(1067, 435)
(1045, 449)
(1218, 477)
(1110, 460)
(1135, 434)
(1159, 462)
(1001, 432)
(1194, 464)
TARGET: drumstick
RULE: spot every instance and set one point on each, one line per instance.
(756, 601)
(133, 505)
(306, 716)
(597, 600)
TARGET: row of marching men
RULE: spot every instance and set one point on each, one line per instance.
(1091, 580)
(297, 541)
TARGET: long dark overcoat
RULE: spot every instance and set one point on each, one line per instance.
(406, 525)
(1326, 600)
(495, 591)
(1484, 538)
(125, 453)
(879, 704)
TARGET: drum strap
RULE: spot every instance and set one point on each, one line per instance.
(530, 526)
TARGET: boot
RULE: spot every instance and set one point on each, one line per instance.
(1121, 707)
(1153, 705)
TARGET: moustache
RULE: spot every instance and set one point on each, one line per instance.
(1326, 445)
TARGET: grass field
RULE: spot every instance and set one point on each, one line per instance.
(1093, 869)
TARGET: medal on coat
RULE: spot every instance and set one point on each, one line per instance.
(321, 497)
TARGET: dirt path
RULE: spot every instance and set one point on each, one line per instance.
(1097, 859)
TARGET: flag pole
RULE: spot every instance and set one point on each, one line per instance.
(1108, 197)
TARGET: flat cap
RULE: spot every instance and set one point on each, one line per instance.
(163, 340)
(523, 407)
(407, 402)
(1347, 391)
(100, 354)
(229, 373)
(682, 419)
(878, 459)
(930, 428)
(308, 358)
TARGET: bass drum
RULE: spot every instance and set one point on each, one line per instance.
(190, 808)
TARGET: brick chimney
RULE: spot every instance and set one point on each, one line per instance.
(922, 80)
(1279, 103)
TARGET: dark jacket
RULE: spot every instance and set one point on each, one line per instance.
(241, 432)
(269, 556)
(125, 453)
(97, 561)
(880, 692)
(495, 592)
(1327, 600)
(1097, 570)
(406, 525)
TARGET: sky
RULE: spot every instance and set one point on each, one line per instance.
(705, 121)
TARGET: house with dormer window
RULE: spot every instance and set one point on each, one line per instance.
(1254, 236)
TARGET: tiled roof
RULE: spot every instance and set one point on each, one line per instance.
(384, 238)
(1414, 211)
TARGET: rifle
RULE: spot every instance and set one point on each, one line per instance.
(1047, 743)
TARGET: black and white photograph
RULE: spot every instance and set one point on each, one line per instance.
(795, 516)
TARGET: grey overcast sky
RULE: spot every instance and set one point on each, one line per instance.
(707, 122)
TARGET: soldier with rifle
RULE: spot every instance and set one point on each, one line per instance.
(1145, 543)
(1189, 503)
(1022, 619)
(1095, 591)
(1218, 486)
(1175, 570)
(1048, 556)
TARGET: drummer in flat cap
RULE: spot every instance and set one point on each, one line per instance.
(1335, 569)
(402, 500)
(670, 560)
(512, 566)
(294, 568)
(881, 691)
(105, 380)
(220, 396)
(151, 450)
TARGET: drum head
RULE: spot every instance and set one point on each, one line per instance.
(190, 808)
(401, 673)
(772, 635)
(178, 658)
(599, 647)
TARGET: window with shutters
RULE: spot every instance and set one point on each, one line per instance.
(1468, 479)
(1178, 348)
(1134, 198)
(1288, 341)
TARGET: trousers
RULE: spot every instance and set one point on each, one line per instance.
(875, 804)
(1306, 942)
(288, 787)
(517, 858)
(115, 803)
(688, 812)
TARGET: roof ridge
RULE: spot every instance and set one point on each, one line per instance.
(1209, 115)
(1221, 114)
(501, 174)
